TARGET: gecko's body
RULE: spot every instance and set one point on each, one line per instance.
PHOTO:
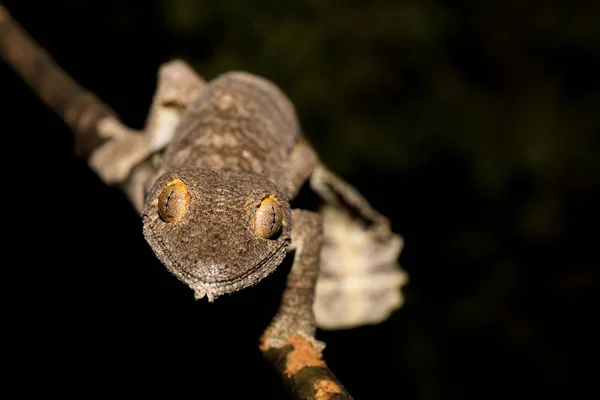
(232, 149)
(217, 209)
(241, 123)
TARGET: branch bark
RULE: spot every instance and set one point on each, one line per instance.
(304, 372)
(80, 109)
(300, 366)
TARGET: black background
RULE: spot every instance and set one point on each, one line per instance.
(473, 127)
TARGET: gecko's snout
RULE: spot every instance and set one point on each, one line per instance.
(218, 231)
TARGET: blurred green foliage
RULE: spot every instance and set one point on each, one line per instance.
(506, 87)
(396, 81)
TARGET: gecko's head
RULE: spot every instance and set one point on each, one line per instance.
(217, 231)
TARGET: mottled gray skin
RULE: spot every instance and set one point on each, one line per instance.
(241, 123)
(236, 144)
(232, 148)
(214, 248)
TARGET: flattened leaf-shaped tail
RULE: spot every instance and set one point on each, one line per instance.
(360, 280)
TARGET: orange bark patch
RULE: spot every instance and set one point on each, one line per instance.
(303, 355)
(325, 388)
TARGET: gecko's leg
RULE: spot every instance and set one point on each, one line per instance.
(360, 277)
(335, 191)
(140, 179)
(295, 317)
(124, 148)
(178, 85)
(289, 342)
(303, 162)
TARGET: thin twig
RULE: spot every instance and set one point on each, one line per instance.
(304, 372)
(300, 366)
(80, 109)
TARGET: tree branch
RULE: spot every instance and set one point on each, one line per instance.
(298, 363)
(303, 371)
(80, 109)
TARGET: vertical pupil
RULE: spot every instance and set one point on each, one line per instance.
(168, 199)
(274, 216)
(173, 202)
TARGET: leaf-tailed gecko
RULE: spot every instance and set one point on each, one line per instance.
(216, 204)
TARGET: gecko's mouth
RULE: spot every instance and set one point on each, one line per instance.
(212, 288)
(264, 263)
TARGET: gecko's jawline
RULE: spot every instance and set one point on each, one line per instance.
(226, 282)
(212, 289)
(251, 277)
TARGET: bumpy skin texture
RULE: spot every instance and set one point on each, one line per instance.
(295, 315)
(240, 122)
(232, 149)
(214, 248)
(236, 144)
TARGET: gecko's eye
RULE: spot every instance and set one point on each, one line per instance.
(173, 201)
(267, 218)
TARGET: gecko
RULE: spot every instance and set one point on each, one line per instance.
(214, 174)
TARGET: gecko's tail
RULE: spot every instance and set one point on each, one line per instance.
(360, 281)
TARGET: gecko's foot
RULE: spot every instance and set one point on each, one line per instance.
(124, 149)
(279, 334)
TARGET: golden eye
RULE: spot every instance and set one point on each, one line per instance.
(268, 217)
(173, 202)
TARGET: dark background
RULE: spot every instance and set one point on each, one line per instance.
(473, 125)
